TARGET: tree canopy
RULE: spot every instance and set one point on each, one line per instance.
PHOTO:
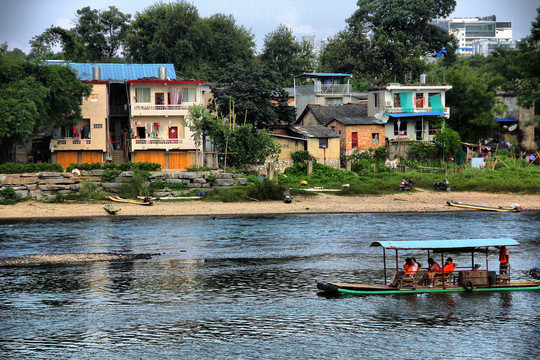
(198, 47)
(253, 96)
(286, 57)
(97, 36)
(33, 99)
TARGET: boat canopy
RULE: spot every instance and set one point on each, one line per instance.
(468, 244)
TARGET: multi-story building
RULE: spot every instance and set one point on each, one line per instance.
(321, 89)
(485, 47)
(410, 112)
(467, 30)
(136, 112)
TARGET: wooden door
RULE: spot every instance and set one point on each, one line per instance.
(179, 160)
(173, 132)
(65, 158)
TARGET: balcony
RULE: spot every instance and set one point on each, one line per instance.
(75, 144)
(160, 110)
(156, 144)
(419, 111)
(321, 89)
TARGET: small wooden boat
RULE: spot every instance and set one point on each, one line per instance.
(461, 279)
(512, 208)
(111, 209)
(128, 201)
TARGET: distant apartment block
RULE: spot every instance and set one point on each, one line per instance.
(467, 31)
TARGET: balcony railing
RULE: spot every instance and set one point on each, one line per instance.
(162, 144)
(160, 107)
(323, 89)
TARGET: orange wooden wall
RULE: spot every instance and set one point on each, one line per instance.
(91, 157)
(65, 158)
(179, 160)
(150, 156)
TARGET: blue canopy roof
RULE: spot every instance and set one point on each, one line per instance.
(323, 75)
(445, 244)
(411, 114)
(504, 120)
(110, 71)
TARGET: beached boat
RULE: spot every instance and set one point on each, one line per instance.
(128, 201)
(111, 209)
(512, 208)
(461, 279)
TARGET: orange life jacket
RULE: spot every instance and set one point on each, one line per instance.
(412, 269)
(504, 255)
(435, 267)
(449, 268)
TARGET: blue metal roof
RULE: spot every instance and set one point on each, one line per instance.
(445, 244)
(504, 120)
(120, 72)
(324, 75)
(409, 114)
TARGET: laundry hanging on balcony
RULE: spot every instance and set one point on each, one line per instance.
(436, 103)
(176, 95)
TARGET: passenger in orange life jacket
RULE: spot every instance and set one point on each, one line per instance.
(398, 275)
(434, 268)
(504, 258)
(449, 265)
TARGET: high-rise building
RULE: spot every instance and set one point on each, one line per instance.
(468, 30)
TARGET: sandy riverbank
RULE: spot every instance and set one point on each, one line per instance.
(418, 201)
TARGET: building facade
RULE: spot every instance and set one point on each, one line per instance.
(468, 30)
(136, 112)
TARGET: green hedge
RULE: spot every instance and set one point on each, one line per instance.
(128, 166)
(11, 168)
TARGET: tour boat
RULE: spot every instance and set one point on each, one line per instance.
(461, 279)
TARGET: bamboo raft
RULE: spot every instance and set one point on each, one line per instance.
(128, 201)
(513, 208)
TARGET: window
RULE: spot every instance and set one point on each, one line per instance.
(160, 98)
(142, 95)
(141, 132)
(376, 100)
(433, 128)
(334, 101)
(419, 100)
(333, 128)
(400, 127)
(323, 143)
(190, 95)
(375, 138)
(397, 103)
(354, 140)
(429, 98)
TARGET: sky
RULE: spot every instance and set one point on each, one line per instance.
(20, 20)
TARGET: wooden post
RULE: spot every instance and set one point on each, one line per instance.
(349, 165)
(310, 167)
(270, 170)
(384, 256)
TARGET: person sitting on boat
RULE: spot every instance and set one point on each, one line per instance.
(449, 266)
(504, 258)
(434, 268)
(409, 269)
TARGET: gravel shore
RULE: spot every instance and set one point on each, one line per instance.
(416, 201)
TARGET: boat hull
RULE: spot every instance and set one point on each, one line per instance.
(484, 208)
(360, 289)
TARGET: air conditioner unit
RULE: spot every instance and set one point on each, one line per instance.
(388, 103)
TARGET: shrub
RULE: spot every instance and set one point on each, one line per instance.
(266, 190)
(110, 174)
(90, 191)
(301, 157)
(199, 168)
(145, 166)
(11, 168)
(8, 193)
(136, 186)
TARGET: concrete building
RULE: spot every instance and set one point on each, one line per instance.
(135, 113)
(485, 47)
(468, 30)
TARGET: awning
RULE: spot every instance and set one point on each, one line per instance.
(468, 244)
(415, 114)
(505, 120)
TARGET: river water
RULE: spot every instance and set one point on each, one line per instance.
(244, 287)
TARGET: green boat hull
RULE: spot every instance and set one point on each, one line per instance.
(430, 290)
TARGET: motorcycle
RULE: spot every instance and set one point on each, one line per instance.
(444, 185)
(406, 185)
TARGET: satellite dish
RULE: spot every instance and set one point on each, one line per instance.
(513, 127)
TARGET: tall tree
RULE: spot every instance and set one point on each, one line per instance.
(33, 99)
(285, 56)
(253, 96)
(175, 33)
(97, 36)
(400, 33)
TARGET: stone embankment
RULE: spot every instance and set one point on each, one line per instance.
(44, 185)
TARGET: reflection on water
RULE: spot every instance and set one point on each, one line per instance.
(244, 287)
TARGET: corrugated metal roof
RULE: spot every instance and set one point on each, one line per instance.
(412, 114)
(359, 121)
(123, 72)
(445, 244)
(326, 113)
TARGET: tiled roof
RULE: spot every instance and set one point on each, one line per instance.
(119, 72)
(325, 114)
(359, 121)
(315, 131)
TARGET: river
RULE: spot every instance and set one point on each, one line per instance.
(244, 287)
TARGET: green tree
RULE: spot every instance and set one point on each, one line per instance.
(33, 99)
(401, 33)
(472, 100)
(448, 142)
(251, 94)
(175, 33)
(285, 57)
(96, 36)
